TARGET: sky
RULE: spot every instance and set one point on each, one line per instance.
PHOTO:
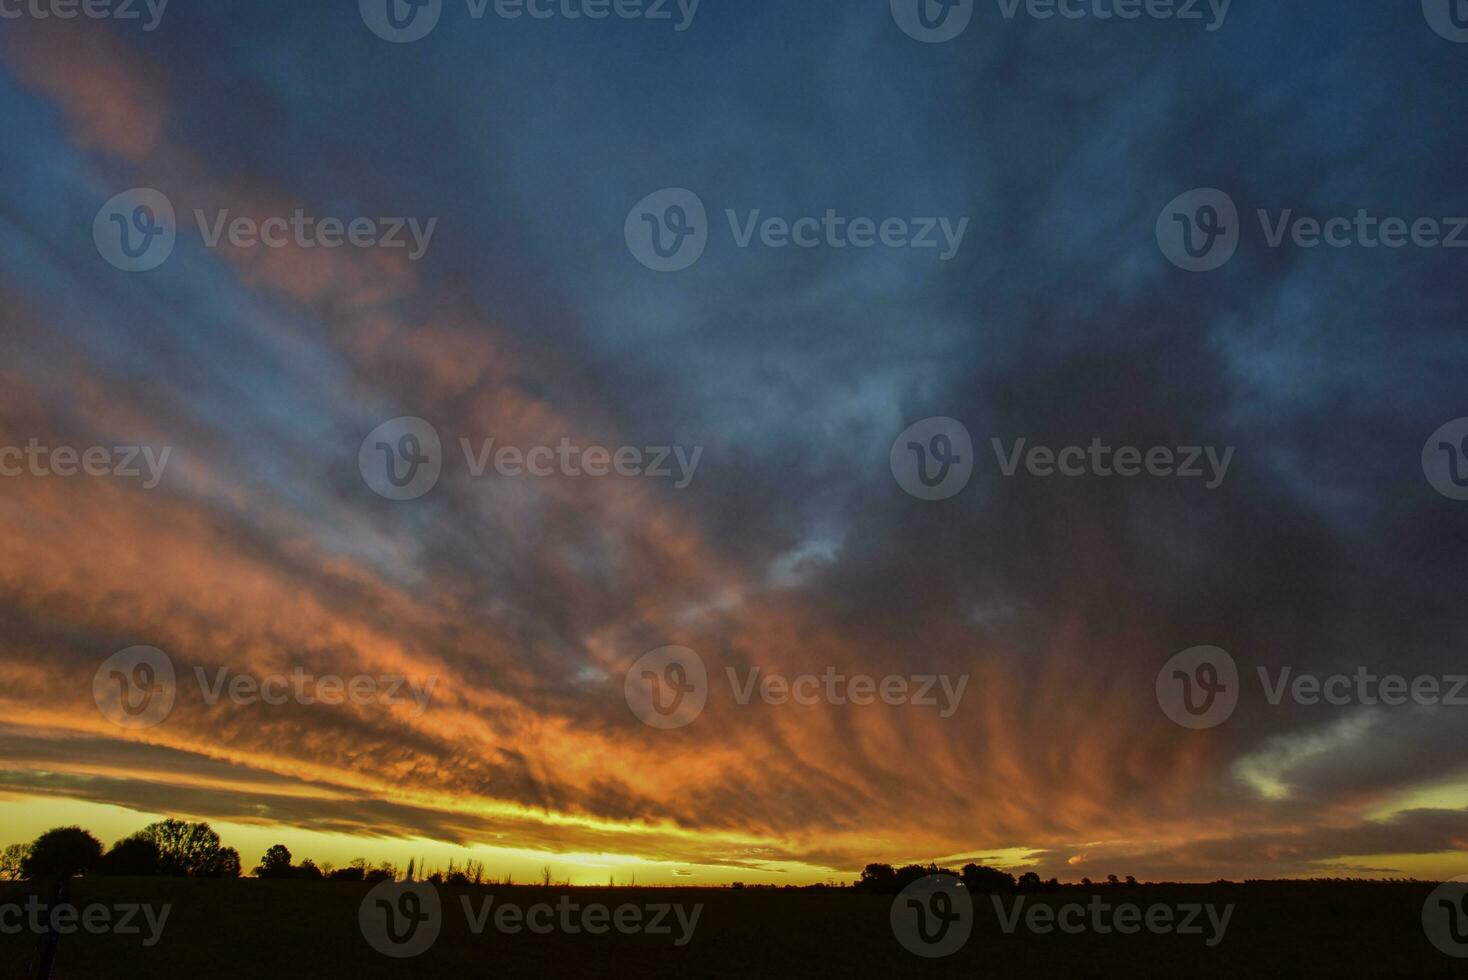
(767, 518)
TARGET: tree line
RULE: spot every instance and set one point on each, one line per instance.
(179, 848)
(883, 879)
(173, 848)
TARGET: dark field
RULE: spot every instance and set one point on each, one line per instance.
(249, 928)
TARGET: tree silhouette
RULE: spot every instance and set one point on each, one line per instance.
(877, 878)
(978, 878)
(191, 849)
(276, 863)
(61, 853)
(133, 856)
(226, 865)
(352, 872)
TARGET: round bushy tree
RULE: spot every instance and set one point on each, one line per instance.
(192, 849)
(133, 856)
(61, 853)
(276, 863)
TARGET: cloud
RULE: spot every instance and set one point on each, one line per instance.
(527, 599)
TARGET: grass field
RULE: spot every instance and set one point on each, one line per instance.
(247, 928)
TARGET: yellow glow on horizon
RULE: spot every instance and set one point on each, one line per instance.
(26, 817)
